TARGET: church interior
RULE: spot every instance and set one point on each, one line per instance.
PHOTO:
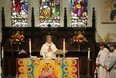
(75, 26)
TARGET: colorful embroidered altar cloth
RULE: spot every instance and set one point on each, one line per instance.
(47, 68)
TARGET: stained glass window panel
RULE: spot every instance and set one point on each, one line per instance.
(79, 13)
(49, 13)
(19, 13)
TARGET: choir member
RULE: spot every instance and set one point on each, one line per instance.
(101, 61)
(111, 67)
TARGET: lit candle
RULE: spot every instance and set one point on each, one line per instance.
(30, 46)
(64, 45)
(2, 52)
(88, 53)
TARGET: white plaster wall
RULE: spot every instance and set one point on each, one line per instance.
(102, 29)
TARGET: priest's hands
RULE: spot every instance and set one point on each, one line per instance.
(49, 49)
(97, 64)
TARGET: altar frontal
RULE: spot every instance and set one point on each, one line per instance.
(47, 68)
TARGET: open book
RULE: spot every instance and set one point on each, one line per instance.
(60, 51)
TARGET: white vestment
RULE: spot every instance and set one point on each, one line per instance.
(102, 59)
(48, 54)
(112, 64)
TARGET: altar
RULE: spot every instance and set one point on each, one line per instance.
(53, 68)
(35, 67)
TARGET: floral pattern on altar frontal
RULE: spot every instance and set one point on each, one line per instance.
(47, 71)
(47, 68)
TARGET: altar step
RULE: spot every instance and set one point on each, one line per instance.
(82, 76)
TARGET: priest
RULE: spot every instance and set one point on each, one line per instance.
(48, 49)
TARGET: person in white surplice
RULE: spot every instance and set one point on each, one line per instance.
(48, 49)
(111, 67)
(101, 61)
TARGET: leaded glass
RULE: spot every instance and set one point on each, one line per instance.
(19, 13)
(49, 13)
(79, 13)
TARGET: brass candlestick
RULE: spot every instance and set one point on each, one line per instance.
(63, 55)
(88, 72)
(30, 54)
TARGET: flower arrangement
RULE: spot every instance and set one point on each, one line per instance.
(79, 38)
(17, 38)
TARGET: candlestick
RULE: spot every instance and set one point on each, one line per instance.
(88, 53)
(63, 47)
(2, 52)
(30, 46)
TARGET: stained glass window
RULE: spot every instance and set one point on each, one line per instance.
(49, 13)
(19, 13)
(79, 13)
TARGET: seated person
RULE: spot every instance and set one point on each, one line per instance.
(48, 49)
